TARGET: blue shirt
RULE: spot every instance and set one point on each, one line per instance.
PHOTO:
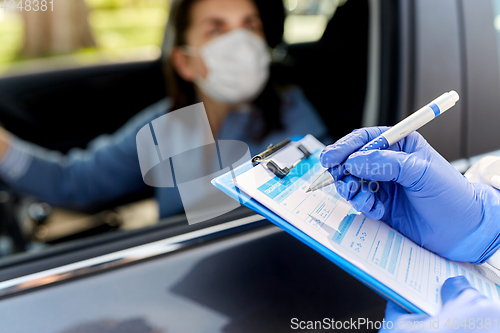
(109, 168)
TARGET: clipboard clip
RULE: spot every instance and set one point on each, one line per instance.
(273, 166)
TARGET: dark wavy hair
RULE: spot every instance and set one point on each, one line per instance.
(267, 105)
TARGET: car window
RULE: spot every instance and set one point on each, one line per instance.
(307, 19)
(50, 34)
(107, 31)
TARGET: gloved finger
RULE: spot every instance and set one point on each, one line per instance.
(337, 153)
(395, 315)
(382, 205)
(382, 165)
(377, 211)
(338, 172)
(348, 187)
(393, 312)
(453, 287)
(411, 143)
(386, 165)
(364, 200)
(495, 182)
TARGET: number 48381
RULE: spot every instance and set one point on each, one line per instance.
(27, 5)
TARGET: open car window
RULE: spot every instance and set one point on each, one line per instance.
(307, 19)
(113, 79)
(54, 34)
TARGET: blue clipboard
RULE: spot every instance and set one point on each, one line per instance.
(226, 185)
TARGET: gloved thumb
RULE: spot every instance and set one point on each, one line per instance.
(379, 165)
(453, 287)
(393, 312)
(396, 315)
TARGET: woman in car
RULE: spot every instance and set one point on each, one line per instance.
(219, 57)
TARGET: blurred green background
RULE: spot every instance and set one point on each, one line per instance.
(123, 29)
(128, 30)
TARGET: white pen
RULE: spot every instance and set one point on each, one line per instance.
(411, 123)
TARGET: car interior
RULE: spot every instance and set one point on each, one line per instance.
(65, 109)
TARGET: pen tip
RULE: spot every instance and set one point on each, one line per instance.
(308, 190)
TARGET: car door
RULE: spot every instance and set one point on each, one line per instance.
(443, 46)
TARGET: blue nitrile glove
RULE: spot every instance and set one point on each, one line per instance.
(421, 195)
(464, 310)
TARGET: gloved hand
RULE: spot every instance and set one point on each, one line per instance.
(464, 310)
(420, 194)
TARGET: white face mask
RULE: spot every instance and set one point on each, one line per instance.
(238, 67)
